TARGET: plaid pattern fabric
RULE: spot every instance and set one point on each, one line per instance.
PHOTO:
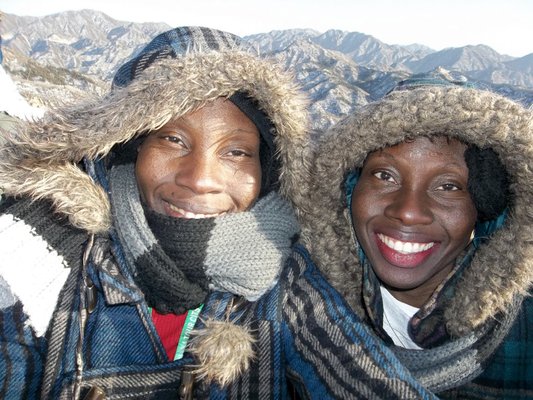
(509, 374)
(305, 334)
(22, 350)
(175, 42)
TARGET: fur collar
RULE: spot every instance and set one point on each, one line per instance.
(503, 267)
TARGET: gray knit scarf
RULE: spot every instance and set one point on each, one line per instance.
(458, 361)
(241, 253)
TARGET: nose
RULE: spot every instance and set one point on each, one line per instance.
(200, 173)
(411, 207)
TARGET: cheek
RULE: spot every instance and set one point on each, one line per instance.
(147, 171)
(244, 185)
(461, 221)
(364, 206)
(360, 215)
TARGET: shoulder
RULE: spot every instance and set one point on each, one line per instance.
(305, 284)
(299, 263)
(300, 269)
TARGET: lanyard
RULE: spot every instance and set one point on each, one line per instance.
(190, 321)
(188, 325)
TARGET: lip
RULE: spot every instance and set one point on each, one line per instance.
(404, 254)
(186, 212)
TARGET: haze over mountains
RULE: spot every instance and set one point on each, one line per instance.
(58, 57)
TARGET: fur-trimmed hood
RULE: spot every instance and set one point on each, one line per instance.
(40, 159)
(503, 267)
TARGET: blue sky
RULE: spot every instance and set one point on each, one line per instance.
(506, 26)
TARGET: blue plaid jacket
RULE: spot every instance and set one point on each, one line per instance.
(305, 335)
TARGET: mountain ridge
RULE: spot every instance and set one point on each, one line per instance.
(339, 70)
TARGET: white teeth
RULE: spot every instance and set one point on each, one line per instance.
(191, 215)
(405, 247)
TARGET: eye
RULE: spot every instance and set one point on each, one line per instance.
(449, 187)
(384, 176)
(173, 139)
(239, 153)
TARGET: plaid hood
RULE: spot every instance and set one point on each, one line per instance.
(501, 268)
(177, 73)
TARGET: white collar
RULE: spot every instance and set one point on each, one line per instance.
(396, 316)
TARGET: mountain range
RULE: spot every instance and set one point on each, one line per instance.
(59, 57)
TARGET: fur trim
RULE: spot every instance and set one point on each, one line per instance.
(69, 189)
(223, 349)
(502, 268)
(165, 91)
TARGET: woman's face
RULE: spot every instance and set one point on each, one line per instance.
(413, 214)
(204, 164)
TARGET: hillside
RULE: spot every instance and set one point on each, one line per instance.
(60, 57)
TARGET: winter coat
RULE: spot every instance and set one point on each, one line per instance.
(489, 305)
(74, 322)
(304, 332)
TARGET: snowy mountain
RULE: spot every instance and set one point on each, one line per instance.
(88, 42)
(12, 102)
(369, 52)
(55, 58)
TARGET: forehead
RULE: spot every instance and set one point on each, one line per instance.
(428, 149)
(219, 106)
(220, 112)
(215, 119)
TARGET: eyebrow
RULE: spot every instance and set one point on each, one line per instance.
(241, 130)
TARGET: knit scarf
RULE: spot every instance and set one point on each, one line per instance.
(459, 361)
(176, 262)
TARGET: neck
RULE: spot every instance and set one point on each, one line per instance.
(418, 296)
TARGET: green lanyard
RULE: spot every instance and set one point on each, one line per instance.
(188, 325)
(190, 321)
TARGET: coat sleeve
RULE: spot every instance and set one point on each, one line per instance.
(330, 353)
(32, 273)
(21, 351)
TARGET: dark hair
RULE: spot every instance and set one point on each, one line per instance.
(488, 182)
(267, 150)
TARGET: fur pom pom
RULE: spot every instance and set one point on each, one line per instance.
(223, 349)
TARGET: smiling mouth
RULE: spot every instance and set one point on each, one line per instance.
(404, 247)
(181, 213)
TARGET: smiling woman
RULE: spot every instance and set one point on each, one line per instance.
(413, 214)
(419, 212)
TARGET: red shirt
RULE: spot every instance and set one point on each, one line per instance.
(169, 327)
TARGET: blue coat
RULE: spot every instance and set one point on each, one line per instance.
(305, 334)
